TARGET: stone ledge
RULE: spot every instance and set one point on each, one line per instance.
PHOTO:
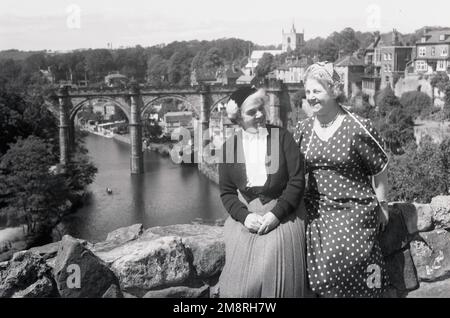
(185, 260)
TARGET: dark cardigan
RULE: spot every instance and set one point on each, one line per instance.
(287, 184)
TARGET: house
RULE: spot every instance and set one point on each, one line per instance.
(432, 52)
(351, 69)
(174, 120)
(203, 76)
(116, 80)
(228, 75)
(293, 71)
(246, 80)
(386, 59)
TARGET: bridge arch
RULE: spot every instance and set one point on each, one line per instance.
(149, 104)
(115, 102)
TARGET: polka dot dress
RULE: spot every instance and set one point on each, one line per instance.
(344, 257)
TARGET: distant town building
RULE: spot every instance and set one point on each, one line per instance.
(105, 108)
(351, 69)
(48, 75)
(116, 80)
(432, 52)
(228, 75)
(293, 71)
(246, 80)
(292, 40)
(173, 120)
(386, 60)
(203, 77)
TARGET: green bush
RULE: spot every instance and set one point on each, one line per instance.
(416, 103)
(420, 173)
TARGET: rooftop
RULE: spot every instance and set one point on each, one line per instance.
(435, 37)
(349, 60)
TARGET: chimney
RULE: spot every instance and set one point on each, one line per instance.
(394, 37)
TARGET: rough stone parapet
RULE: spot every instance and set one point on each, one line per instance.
(185, 260)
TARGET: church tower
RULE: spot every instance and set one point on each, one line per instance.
(292, 40)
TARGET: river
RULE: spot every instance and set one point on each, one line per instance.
(165, 194)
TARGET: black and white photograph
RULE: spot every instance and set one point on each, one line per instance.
(240, 151)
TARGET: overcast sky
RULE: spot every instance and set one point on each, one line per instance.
(54, 24)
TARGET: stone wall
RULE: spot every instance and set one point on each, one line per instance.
(185, 261)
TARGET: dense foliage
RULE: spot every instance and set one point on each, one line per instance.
(32, 190)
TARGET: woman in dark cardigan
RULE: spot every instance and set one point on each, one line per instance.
(261, 186)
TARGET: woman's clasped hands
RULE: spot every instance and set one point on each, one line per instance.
(261, 224)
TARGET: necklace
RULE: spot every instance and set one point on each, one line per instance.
(330, 122)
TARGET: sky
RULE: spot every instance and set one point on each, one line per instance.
(75, 24)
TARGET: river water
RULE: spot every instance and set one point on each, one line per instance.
(165, 194)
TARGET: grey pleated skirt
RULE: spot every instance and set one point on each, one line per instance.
(265, 266)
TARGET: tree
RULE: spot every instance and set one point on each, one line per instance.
(346, 41)
(198, 61)
(213, 59)
(440, 80)
(178, 69)
(421, 173)
(157, 70)
(29, 189)
(397, 130)
(416, 103)
(446, 109)
(265, 65)
(99, 62)
(328, 51)
(152, 129)
(386, 101)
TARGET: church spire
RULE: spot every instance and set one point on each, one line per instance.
(293, 27)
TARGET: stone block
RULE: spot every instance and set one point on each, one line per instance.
(441, 211)
(204, 243)
(42, 288)
(46, 251)
(432, 255)
(79, 273)
(22, 271)
(125, 234)
(145, 265)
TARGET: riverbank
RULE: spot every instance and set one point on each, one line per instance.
(163, 149)
(15, 239)
(185, 260)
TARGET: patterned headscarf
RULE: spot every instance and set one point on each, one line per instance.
(324, 71)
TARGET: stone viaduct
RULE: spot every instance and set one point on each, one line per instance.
(136, 101)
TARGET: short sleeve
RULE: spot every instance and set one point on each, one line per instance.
(369, 146)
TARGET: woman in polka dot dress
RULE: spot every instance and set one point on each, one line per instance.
(346, 192)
